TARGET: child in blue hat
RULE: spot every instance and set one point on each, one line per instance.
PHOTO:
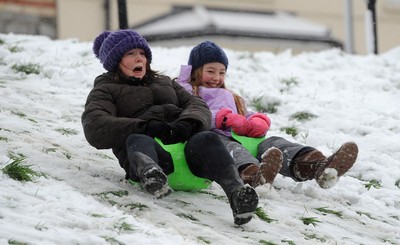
(204, 76)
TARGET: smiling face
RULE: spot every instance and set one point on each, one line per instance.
(213, 75)
(133, 63)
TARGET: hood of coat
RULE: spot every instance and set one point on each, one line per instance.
(112, 77)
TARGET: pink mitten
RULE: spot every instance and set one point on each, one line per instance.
(221, 117)
(259, 124)
(226, 119)
(238, 124)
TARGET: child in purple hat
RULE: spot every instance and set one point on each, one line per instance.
(130, 105)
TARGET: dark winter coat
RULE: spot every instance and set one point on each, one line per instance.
(118, 106)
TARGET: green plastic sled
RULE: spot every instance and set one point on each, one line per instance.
(183, 179)
(249, 143)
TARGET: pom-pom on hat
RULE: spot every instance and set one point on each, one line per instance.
(207, 52)
(110, 47)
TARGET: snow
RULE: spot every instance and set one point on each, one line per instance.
(82, 198)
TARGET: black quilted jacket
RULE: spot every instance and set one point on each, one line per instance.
(118, 106)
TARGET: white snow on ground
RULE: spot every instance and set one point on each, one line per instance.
(83, 197)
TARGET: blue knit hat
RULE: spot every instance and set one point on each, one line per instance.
(110, 47)
(207, 52)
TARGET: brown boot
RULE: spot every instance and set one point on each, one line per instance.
(251, 175)
(271, 163)
(337, 165)
(307, 164)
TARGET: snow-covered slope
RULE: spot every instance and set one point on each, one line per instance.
(82, 198)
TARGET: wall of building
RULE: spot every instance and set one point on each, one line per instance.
(327, 12)
(331, 13)
(35, 17)
(84, 19)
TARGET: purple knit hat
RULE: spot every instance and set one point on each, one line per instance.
(110, 47)
(207, 52)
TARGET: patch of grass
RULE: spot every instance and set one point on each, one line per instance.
(289, 82)
(3, 139)
(184, 203)
(97, 215)
(310, 221)
(125, 227)
(366, 214)
(15, 242)
(17, 113)
(187, 216)
(203, 239)
(329, 211)
(112, 241)
(256, 103)
(315, 237)
(104, 156)
(293, 131)
(67, 131)
(32, 120)
(23, 115)
(1, 42)
(14, 156)
(41, 227)
(51, 149)
(27, 68)
(215, 196)
(263, 216)
(67, 155)
(119, 193)
(302, 116)
(387, 240)
(138, 206)
(112, 202)
(395, 217)
(288, 242)
(266, 242)
(270, 107)
(17, 170)
(373, 183)
(15, 49)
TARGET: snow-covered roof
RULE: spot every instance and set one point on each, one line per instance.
(193, 22)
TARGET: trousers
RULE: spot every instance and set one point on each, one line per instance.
(205, 154)
(289, 150)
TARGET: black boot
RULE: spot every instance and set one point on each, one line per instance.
(208, 158)
(243, 203)
(243, 199)
(151, 176)
(155, 182)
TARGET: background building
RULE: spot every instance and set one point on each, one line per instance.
(28, 17)
(342, 22)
